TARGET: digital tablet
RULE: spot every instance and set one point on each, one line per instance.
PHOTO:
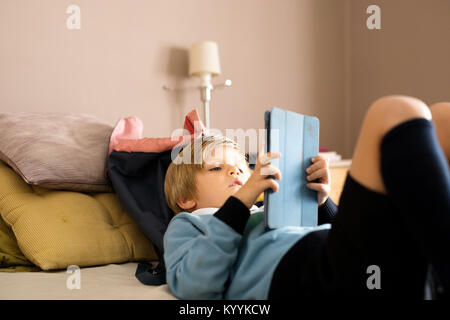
(296, 136)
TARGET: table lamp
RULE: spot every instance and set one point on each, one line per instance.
(204, 62)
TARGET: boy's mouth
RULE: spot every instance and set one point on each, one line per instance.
(236, 182)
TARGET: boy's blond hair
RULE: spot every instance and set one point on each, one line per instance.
(180, 181)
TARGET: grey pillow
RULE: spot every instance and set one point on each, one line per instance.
(57, 150)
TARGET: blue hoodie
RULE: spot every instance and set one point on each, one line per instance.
(226, 253)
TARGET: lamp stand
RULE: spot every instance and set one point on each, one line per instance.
(205, 90)
(206, 98)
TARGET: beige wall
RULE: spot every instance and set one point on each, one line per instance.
(311, 56)
(409, 55)
(283, 53)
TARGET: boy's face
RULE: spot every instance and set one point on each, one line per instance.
(224, 172)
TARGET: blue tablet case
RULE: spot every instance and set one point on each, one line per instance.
(296, 136)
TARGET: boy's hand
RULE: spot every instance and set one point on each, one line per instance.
(259, 181)
(320, 172)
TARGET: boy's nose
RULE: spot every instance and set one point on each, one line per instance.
(235, 172)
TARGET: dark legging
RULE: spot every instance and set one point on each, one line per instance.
(400, 234)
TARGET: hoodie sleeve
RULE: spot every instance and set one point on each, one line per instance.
(327, 212)
(199, 251)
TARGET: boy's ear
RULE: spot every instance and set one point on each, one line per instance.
(186, 204)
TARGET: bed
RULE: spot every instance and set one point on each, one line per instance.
(108, 282)
(61, 223)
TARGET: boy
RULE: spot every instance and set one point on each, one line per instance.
(218, 247)
(394, 215)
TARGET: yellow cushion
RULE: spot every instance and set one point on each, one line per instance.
(55, 229)
(11, 258)
(260, 197)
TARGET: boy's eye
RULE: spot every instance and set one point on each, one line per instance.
(220, 168)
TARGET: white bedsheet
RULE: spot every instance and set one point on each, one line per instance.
(110, 282)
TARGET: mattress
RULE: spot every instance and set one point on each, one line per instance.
(107, 282)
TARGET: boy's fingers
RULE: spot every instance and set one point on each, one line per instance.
(269, 170)
(261, 149)
(271, 184)
(317, 165)
(261, 146)
(318, 158)
(317, 187)
(321, 173)
(267, 157)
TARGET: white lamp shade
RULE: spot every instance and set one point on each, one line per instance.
(204, 59)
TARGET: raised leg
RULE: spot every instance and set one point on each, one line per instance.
(384, 114)
(441, 119)
(399, 154)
